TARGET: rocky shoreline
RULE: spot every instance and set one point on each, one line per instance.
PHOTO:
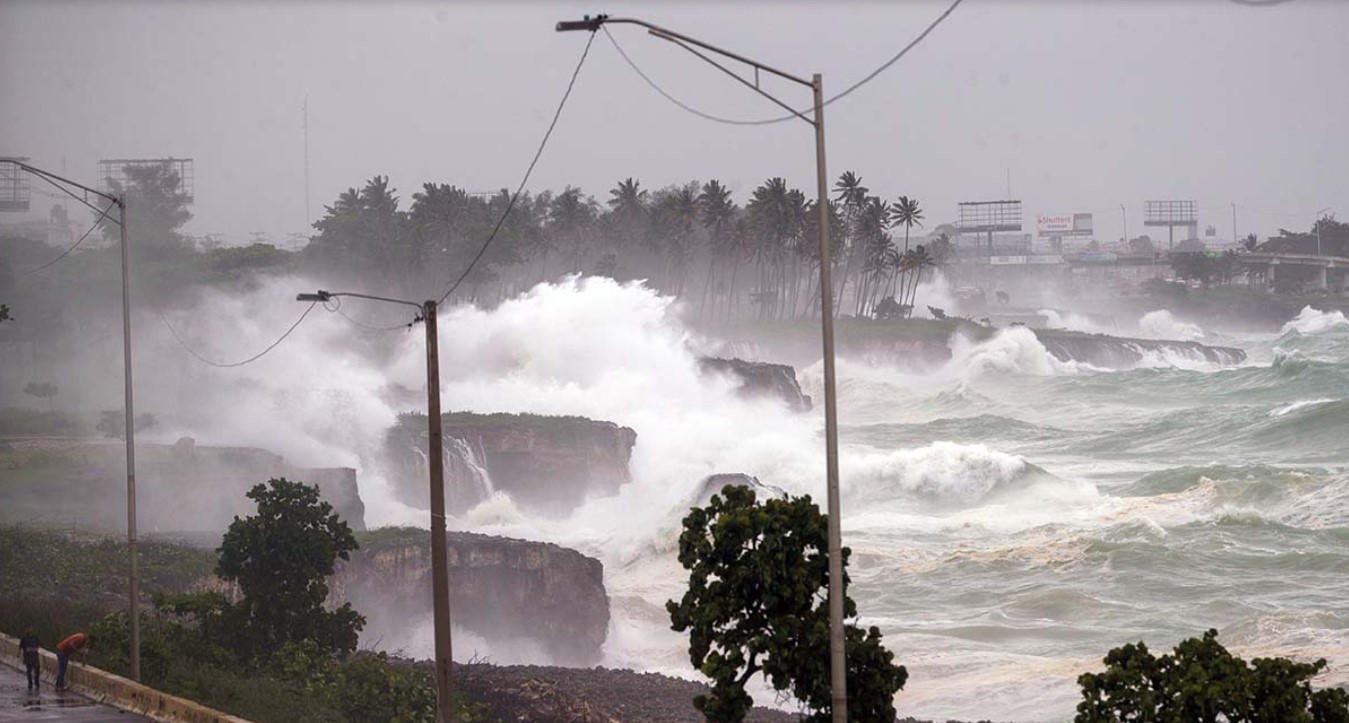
(545, 694)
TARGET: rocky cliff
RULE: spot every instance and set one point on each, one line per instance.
(1113, 352)
(505, 591)
(760, 379)
(183, 487)
(545, 464)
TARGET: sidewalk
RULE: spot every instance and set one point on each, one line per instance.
(18, 704)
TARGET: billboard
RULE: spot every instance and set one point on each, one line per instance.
(14, 187)
(1082, 224)
(1053, 225)
(114, 174)
(1063, 224)
(989, 216)
(1170, 213)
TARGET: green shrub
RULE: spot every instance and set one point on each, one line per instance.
(1201, 682)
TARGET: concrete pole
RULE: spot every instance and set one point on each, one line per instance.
(440, 573)
(838, 679)
(133, 579)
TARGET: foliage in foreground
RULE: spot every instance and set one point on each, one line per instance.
(1201, 682)
(275, 657)
(758, 603)
(281, 559)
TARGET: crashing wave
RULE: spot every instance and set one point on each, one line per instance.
(1160, 324)
(1315, 321)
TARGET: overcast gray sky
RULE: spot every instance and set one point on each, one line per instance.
(1089, 104)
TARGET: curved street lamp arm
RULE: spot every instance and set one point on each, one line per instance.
(752, 86)
(593, 24)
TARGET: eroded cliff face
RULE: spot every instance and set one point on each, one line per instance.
(510, 592)
(760, 379)
(545, 464)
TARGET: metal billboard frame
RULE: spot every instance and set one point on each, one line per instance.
(15, 188)
(112, 173)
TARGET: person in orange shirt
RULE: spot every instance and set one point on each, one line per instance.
(77, 643)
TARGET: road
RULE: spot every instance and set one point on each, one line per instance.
(17, 705)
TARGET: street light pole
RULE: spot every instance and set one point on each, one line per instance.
(837, 650)
(133, 582)
(1319, 216)
(133, 573)
(440, 571)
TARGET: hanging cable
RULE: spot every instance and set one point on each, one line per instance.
(249, 360)
(76, 245)
(767, 121)
(511, 204)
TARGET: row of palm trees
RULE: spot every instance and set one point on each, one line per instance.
(692, 240)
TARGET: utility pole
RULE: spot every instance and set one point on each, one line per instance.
(1319, 215)
(1235, 241)
(133, 573)
(440, 572)
(837, 649)
(133, 584)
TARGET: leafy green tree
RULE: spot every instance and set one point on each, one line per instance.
(1201, 682)
(156, 207)
(281, 559)
(757, 603)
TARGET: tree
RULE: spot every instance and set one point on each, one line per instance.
(907, 214)
(757, 603)
(281, 559)
(45, 390)
(1201, 682)
(4, 313)
(1250, 242)
(156, 206)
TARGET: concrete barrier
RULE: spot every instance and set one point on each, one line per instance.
(118, 692)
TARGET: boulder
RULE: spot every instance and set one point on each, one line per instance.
(712, 484)
(759, 380)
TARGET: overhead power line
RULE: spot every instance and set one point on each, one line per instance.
(767, 121)
(249, 360)
(515, 196)
(76, 245)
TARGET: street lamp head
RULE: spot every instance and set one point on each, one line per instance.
(320, 296)
(589, 23)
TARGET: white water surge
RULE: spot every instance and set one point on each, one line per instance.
(1003, 538)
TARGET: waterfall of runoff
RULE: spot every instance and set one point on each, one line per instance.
(1012, 515)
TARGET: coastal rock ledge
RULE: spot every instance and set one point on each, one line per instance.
(504, 590)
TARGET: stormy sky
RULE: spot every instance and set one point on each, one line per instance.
(1088, 105)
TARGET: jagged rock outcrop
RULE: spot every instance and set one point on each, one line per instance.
(180, 488)
(760, 379)
(545, 464)
(1115, 352)
(501, 589)
(712, 484)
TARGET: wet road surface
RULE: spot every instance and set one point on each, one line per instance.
(19, 705)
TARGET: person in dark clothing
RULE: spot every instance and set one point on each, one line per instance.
(31, 662)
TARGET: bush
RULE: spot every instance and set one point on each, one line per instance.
(1201, 682)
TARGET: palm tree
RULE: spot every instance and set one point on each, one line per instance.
(853, 195)
(907, 214)
(716, 211)
(570, 220)
(921, 260)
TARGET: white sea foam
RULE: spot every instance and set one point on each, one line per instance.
(1315, 321)
(1295, 406)
(1161, 324)
(1009, 351)
(1072, 322)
